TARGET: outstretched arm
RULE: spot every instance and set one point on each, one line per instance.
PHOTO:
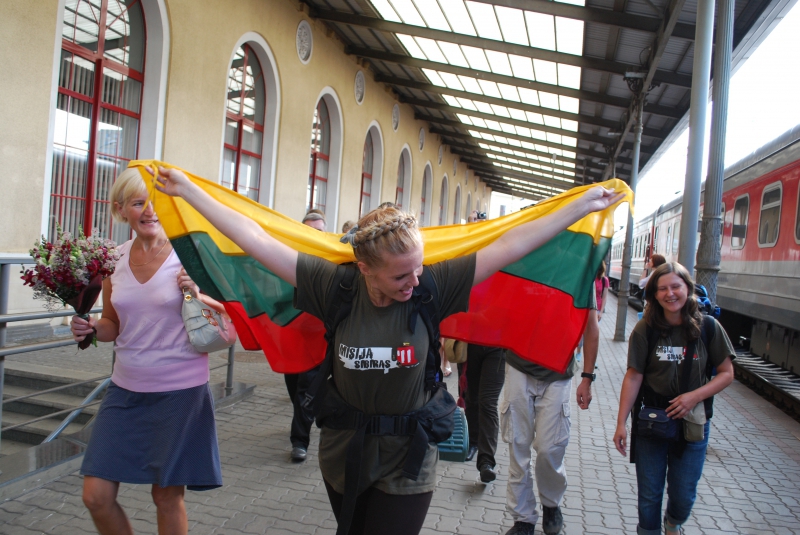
(243, 231)
(521, 240)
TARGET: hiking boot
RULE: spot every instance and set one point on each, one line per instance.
(552, 521)
(299, 454)
(521, 528)
(487, 473)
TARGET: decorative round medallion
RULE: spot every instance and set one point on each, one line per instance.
(421, 138)
(455, 166)
(395, 117)
(359, 87)
(304, 41)
(441, 153)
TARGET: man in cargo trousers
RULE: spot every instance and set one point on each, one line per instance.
(535, 411)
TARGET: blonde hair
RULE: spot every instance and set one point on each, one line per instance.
(128, 184)
(385, 230)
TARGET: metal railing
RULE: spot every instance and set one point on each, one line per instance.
(7, 262)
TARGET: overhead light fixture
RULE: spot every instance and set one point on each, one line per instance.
(635, 74)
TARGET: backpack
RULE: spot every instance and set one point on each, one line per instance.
(704, 303)
(433, 422)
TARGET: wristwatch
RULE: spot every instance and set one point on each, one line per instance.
(591, 376)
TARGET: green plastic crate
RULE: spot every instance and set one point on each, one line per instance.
(455, 448)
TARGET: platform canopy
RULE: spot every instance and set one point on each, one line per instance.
(537, 96)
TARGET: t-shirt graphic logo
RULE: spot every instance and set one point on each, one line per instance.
(405, 356)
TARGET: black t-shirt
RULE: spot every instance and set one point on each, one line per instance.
(661, 368)
(379, 368)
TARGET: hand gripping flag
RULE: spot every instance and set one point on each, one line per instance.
(536, 307)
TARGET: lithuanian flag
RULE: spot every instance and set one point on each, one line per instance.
(536, 307)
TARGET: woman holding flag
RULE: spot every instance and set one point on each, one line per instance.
(380, 365)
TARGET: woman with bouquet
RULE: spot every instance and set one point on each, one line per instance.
(156, 422)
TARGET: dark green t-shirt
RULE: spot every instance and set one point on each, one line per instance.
(661, 368)
(379, 368)
(540, 372)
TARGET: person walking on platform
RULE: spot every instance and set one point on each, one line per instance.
(156, 421)
(297, 383)
(377, 366)
(670, 397)
(485, 370)
(536, 412)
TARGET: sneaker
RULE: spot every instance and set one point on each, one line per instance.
(471, 453)
(669, 529)
(299, 454)
(487, 473)
(521, 528)
(552, 521)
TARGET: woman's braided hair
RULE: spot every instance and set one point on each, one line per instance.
(385, 230)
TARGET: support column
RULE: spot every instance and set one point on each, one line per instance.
(708, 252)
(701, 72)
(624, 279)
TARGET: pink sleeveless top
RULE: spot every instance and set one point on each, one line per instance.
(153, 349)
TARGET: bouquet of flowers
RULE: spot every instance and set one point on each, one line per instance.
(70, 271)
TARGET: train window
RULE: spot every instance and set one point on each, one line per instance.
(769, 222)
(797, 219)
(676, 235)
(739, 228)
(667, 244)
(722, 226)
(655, 241)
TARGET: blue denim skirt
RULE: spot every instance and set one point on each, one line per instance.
(162, 438)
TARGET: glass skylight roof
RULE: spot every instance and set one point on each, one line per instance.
(511, 25)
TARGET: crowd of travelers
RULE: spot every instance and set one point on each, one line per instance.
(156, 423)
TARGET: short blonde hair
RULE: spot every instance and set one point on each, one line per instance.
(128, 184)
(385, 230)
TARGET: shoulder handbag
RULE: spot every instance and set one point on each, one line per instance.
(207, 329)
(455, 351)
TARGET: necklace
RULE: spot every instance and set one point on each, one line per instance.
(156, 256)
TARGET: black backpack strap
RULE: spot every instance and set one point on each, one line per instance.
(340, 301)
(707, 333)
(426, 299)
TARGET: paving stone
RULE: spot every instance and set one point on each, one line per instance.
(751, 481)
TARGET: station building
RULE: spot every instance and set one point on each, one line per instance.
(254, 94)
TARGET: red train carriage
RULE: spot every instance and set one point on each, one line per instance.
(759, 280)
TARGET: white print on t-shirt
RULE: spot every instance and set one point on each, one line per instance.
(670, 353)
(377, 358)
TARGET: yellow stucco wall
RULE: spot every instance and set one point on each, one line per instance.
(27, 41)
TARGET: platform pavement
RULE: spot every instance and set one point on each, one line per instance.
(751, 482)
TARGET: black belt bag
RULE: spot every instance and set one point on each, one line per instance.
(654, 423)
(433, 422)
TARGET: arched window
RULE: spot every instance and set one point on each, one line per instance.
(457, 209)
(424, 207)
(98, 112)
(401, 179)
(468, 210)
(244, 124)
(366, 176)
(443, 202)
(320, 157)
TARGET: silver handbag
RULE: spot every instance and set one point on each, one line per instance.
(207, 329)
